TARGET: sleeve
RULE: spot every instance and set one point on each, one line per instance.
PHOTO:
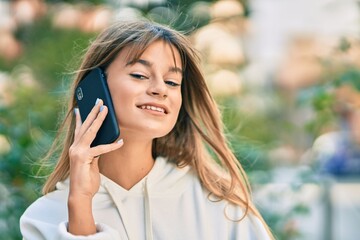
(104, 232)
(32, 229)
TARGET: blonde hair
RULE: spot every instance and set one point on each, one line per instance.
(198, 137)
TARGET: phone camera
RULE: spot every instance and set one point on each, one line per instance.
(79, 93)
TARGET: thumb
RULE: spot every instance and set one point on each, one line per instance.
(95, 161)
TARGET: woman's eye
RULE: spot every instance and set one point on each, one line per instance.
(171, 83)
(139, 76)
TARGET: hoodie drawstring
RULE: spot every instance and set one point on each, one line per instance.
(122, 212)
(148, 222)
(120, 208)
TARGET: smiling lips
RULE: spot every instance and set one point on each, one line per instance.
(153, 108)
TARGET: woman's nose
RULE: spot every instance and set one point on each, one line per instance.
(157, 88)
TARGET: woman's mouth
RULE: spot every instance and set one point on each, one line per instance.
(153, 108)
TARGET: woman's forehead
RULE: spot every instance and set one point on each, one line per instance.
(133, 52)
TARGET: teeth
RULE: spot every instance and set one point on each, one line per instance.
(160, 110)
(153, 108)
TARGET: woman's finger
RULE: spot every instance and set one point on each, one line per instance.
(91, 116)
(77, 123)
(105, 148)
(89, 135)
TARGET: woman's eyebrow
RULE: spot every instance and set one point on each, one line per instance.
(176, 70)
(141, 61)
(149, 65)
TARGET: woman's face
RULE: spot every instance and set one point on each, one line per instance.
(146, 93)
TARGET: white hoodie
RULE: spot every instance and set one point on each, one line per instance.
(168, 204)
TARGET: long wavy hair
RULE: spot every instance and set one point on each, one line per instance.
(197, 138)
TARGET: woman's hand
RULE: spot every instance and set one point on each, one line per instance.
(84, 169)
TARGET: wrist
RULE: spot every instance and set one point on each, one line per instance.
(81, 220)
(79, 199)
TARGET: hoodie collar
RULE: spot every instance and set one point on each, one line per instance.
(165, 178)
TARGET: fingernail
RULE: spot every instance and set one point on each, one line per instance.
(101, 108)
(97, 101)
(76, 110)
(120, 141)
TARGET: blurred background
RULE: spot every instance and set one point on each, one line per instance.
(286, 74)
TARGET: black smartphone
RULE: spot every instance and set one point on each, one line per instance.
(91, 87)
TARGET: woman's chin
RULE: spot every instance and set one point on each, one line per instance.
(143, 133)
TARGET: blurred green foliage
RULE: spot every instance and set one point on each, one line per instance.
(30, 121)
(322, 97)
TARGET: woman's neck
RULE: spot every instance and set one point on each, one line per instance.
(129, 164)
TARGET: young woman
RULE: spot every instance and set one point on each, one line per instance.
(171, 175)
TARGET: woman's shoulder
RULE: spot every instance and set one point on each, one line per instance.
(224, 214)
(239, 222)
(245, 225)
(51, 208)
